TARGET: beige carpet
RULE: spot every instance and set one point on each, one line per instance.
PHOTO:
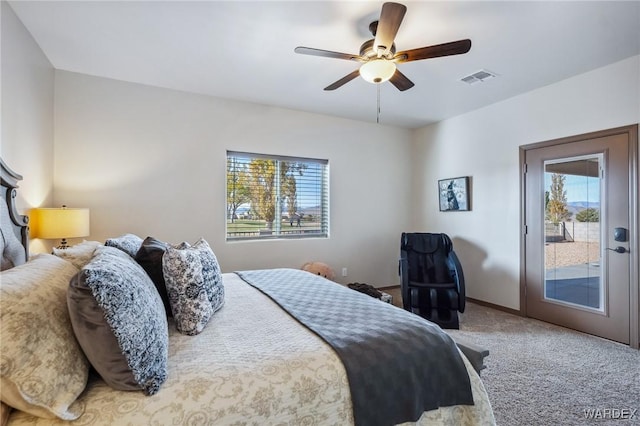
(542, 374)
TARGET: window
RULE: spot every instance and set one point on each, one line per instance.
(276, 197)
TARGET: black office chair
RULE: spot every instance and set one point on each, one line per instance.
(432, 281)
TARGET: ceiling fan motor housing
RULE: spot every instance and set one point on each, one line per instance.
(366, 50)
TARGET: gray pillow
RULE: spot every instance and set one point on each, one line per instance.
(194, 284)
(119, 321)
(11, 248)
(128, 243)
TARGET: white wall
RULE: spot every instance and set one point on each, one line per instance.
(484, 144)
(27, 112)
(152, 161)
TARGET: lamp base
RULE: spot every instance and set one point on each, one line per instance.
(63, 245)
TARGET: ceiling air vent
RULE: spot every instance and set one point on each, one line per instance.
(478, 76)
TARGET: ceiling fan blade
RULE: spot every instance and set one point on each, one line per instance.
(326, 53)
(390, 19)
(343, 80)
(401, 81)
(436, 51)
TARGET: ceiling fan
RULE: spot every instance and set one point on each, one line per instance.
(378, 55)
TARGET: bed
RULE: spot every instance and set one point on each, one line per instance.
(262, 357)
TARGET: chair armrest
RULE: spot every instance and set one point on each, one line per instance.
(456, 270)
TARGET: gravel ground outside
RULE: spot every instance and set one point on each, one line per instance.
(571, 253)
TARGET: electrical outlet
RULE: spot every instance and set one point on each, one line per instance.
(344, 271)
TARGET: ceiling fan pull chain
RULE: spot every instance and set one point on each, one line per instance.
(378, 110)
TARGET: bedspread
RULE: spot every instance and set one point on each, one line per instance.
(398, 365)
(252, 365)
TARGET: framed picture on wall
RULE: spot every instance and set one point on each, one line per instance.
(453, 194)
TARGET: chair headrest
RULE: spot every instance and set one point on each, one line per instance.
(425, 242)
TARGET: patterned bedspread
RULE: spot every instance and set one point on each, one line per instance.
(252, 365)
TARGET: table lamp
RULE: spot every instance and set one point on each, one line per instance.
(61, 223)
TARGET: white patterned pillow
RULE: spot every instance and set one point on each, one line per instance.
(128, 243)
(43, 367)
(80, 254)
(194, 284)
(211, 272)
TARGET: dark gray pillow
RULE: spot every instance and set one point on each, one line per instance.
(150, 258)
(128, 243)
(119, 321)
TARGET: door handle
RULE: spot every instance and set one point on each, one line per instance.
(619, 249)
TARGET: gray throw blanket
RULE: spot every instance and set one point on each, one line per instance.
(398, 364)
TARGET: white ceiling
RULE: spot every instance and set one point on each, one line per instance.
(244, 49)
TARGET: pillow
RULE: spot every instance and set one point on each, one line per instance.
(5, 412)
(11, 248)
(212, 274)
(120, 322)
(43, 367)
(80, 254)
(150, 258)
(194, 284)
(128, 243)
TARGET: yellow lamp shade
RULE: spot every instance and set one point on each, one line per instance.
(55, 223)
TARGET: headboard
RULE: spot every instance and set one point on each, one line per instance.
(14, 228)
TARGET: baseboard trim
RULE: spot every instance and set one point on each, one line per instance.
(389, 287)
(472, 300)
(496, 307)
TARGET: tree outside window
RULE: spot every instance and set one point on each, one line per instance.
(276, 197)
(556, 206)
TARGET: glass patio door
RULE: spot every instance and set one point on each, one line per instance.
(577, 266)
(572, 232)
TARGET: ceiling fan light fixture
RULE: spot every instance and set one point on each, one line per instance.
(378, 55)
(377, 70)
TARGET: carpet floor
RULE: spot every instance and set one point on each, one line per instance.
(541, 374)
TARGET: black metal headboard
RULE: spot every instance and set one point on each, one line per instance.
(20, 223)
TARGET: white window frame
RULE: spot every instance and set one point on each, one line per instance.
(284, 226)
